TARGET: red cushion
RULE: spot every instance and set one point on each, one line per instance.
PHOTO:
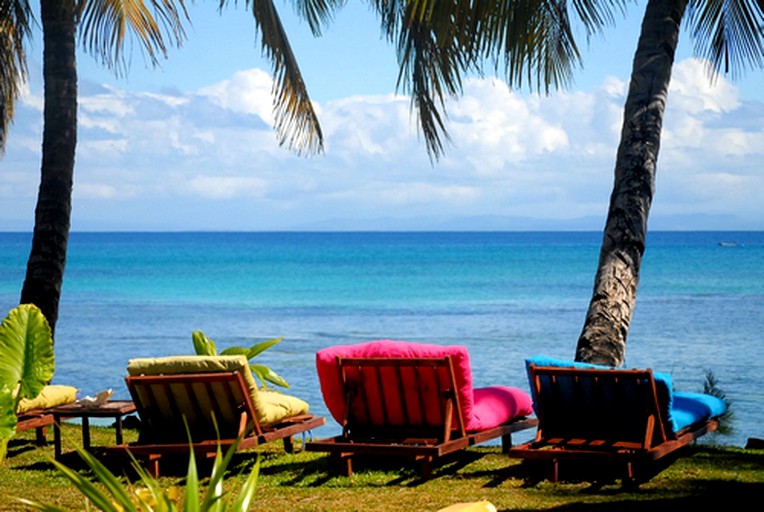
(485, 408)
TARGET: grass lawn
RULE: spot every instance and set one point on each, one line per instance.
(705, 477)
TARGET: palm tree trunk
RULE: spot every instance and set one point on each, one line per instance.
(47, 259)
(603, 339)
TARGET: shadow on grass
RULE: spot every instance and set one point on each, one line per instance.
(370, 471)
(704, 495)
(18, 446)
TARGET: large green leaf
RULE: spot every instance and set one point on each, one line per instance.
(26, 351)
(26, 363)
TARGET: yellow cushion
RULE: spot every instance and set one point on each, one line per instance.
(267, 408)
(277, 406)
(50, 396)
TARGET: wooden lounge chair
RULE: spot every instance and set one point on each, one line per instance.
(603, 423)
(412, 400)
(217, 398)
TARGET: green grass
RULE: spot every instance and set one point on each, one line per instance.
(706, 476)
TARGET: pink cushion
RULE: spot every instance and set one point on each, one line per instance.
(485, 408)
(499, 404)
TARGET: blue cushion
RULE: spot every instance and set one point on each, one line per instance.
(689, 408)
(663, 383)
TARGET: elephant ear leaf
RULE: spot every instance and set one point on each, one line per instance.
(203, 345)
(26, 348)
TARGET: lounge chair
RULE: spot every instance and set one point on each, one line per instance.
(35, 413)
(604, 422)
(396, 398)
(217, 398)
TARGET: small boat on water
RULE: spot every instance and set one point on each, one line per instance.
(728, 244)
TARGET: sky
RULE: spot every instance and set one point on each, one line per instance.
(190, 146)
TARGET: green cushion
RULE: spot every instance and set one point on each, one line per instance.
(267, 408)
(50, 396)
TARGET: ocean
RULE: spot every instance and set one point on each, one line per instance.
(505, 295)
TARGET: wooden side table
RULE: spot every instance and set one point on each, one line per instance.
(113, 409)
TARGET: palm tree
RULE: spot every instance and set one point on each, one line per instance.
(103, 26)
(438, 41)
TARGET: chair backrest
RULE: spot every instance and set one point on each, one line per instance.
(212, 405)
(211, 394)
(602, 407)
(332, 388)
(401, 398)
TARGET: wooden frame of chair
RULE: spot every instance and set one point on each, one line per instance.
(195, 397)
(38, 419)
(595, 416)
(385, 416)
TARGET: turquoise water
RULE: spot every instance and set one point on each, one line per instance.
(504, 295)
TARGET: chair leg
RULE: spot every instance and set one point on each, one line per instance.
(345, 463)
(40, 439)
(425, 467)
(554, 471)
(152, 465)
(506, 443)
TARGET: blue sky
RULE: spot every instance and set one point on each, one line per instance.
(189, 146)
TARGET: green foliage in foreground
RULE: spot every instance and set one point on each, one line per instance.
(27, 364)
(111, 494)
(707, 476)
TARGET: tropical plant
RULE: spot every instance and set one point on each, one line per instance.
(114, 495)
(204, 346)
(534, 40)
(711, 387)
(103, 27)
(27, 364)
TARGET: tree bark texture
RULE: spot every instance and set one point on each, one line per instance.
(47, 259)
(603, 338)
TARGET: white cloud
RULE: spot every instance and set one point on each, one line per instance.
(694, 90)
(514, 154)
(247, 91)
(95, 191)
(226, 187)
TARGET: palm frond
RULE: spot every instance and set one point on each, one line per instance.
(106, 25)
(296, 122)
(318, 13)
(16, 22)
(729, 33)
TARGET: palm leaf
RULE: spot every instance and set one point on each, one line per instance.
(730, 34)
(265, 374)
(104, 25)
(15, 27)
(235, 351)
(261, 347)
(203, 345)
(296, 122)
